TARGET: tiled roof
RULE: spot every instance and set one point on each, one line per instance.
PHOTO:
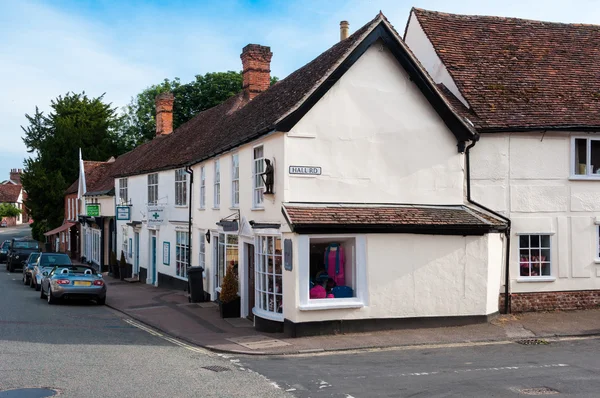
(517, 73)
(408, 217)
(9, 193)
(100, 180)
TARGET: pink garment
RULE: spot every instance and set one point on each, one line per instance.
(330, 295)
(318, 292)
(331, 256)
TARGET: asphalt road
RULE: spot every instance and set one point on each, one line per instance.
(85, 350)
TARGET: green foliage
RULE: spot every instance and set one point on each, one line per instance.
(229, 286)
(75, 121)
(122, 262)
(9, 210)
(139, 121)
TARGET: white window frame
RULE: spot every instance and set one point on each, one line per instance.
(221, 268)
(262, 292)
(153, 189)
(180, 188)
(258, 185)
(123, 190)
(535, 278)
(69, 209)
(96, 247)
(182, 253)
(202, 187)
(588, 152)
(360, 276)
(217, 185)
(235, 180)
(202, 250)
(124, 244)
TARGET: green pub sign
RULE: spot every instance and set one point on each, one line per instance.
(93, 210)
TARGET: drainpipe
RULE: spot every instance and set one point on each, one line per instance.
(506, 232)
(189, 170)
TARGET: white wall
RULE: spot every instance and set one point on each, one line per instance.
(414, 276)
(527, 177)
(377, 140)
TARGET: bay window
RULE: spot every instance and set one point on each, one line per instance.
(268, 282)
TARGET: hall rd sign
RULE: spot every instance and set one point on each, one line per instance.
(305, 170)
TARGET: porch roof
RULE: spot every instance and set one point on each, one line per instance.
(63, 227)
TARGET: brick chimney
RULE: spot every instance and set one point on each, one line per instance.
(344, 28)
(15, 175)
(164, 113)
(256, 64)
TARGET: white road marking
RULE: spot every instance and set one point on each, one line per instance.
(167, 338)
(555, 365)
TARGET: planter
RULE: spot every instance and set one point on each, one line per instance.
(231, 309)
(122, 273)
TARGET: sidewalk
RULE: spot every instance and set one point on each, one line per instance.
(200, 324)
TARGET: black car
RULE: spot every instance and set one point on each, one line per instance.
(4, 250)
(19, 251)
(28, 268)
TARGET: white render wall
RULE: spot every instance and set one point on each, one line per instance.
(526, 176)
(413, 276)
(377, 140)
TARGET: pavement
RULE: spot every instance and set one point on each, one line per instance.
(200, 324)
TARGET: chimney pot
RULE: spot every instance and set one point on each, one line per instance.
(164, 113)
(256, 69)
(344, 28)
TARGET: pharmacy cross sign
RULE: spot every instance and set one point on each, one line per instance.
(156, 215)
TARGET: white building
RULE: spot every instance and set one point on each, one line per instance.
(368, 161)
(531, 90)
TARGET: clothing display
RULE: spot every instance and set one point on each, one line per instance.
(335, 263)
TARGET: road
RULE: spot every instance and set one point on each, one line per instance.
(84, 350)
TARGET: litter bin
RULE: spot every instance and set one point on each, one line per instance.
(195, 284)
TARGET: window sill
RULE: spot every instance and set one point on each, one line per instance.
(234, 208)
(257, 209)
(595, 177)
(216, 208)
(180, 206)
(201, 208)
(331, 304)
(597, 261)
(536, 279)
(272, 316)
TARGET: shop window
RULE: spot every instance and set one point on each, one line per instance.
(534, 255)
(258, 184)
(202, 187)
(202, 252)
(268, 282)
(123, 190)
(586, 157)
(332, 270)
(235, 180)
(152, 188)
(182, 254)
(180, 187)
(228, 255)
(96, 248)
(217, 190)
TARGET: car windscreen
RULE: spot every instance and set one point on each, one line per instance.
(5, 245)
(33, 257)
(50, 260)
(26, 245)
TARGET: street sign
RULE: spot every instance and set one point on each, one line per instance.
(305, 170)
(123, 213)
(93, 210)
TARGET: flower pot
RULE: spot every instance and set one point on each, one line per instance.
(115, 271)
(231, 309)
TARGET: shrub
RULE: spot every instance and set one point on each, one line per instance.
(229, 287)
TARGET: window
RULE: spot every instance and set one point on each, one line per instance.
(235, 181)
(598, 243)
(217, 197)
(228, 255)
(124, 243)
(202, 251)
(202, 187)
(586, 157)
(258, 184)
(152, 188)
(332, 268)
(182, 254)
(69, 209)
(180, 187)
(534, 255)
(268, 276)
(96, 246)
(123, 190)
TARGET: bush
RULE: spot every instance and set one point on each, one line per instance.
(229, 287)
(122, 262)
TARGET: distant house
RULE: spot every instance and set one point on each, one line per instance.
(11, 191)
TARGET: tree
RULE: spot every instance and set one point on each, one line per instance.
(75, 121)
(211, 89)
(9, 210)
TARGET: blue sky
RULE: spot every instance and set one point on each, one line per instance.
(120, 47)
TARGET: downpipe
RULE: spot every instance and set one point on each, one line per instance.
(189, 170)
(506, 232)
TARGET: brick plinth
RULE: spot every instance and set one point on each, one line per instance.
(548, 301)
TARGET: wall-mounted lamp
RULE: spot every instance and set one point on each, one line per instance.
(207, 236)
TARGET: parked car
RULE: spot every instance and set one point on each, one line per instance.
(46, 262)
(28, 268)
(4, 250)
(19, 251)
(75, 281)
(3, 224)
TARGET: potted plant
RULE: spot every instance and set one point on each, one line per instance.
(229, 301)
(113, 265)
(122, 266)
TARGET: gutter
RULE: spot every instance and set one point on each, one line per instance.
(189, 170)
(506, 232)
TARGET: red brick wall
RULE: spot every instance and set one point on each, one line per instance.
(548, 301)
(256, 73)
(73, 198)
(164, 113)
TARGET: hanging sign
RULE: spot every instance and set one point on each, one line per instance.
(123, 213)
(156, 215)
(305, 170)
(93, 210)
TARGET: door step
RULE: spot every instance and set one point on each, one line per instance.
(132, 280)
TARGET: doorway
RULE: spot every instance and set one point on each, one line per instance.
(136, 259)
(152, 270)
(250, 293)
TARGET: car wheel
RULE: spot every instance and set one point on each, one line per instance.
(42, 295)
(51, 298)
(38, 287)
(101, 301)
(11, 268)
(24, 279)
(31, 284)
